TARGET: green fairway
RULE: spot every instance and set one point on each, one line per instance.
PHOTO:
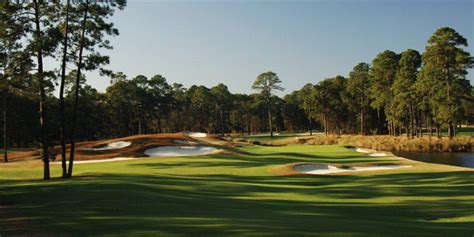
(237, 194)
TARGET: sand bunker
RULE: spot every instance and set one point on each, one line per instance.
(369, 152)
(330, 169)
(180, 151)
(110, 146)
(187, 142)
(363, 150)
(196, 134)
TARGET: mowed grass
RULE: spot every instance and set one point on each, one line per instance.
(238, 195)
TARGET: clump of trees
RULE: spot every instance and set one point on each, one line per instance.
(33, 31)
(395, 94)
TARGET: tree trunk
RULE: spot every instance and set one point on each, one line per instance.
(61, 95)
(222, 123)
(362, 122)
(5, 146)
(42, 110)
(310, 126)
(451, 130)
(325, 124)
(76, 92)
(159, 122)
(270, 121)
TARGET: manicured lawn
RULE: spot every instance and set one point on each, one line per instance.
(236, 194)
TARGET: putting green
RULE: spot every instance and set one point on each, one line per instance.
(240, 194)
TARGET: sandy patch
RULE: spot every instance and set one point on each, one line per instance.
(330, 169)
(363, 150)
(187, 142)
(180, 151)
(110, 146)
(196, 134)
(377, 154)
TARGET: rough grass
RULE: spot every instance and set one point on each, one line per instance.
(238, 194)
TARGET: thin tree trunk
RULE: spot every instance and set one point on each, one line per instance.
(5, 146)
(270, 121)
(362, 122)
(159, 122)
(76, 92)
(61, 95)
(42, 110)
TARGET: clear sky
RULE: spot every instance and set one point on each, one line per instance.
(232, 41)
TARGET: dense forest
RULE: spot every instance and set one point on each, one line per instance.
(397, 93)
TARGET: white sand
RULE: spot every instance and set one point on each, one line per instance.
(317, 169)
(187, 142)
(329, 169)
(110, 146)
(196, 134)
(369, 152)
(180, 151)
(363, 150)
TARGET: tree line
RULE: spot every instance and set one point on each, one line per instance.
(394, 94)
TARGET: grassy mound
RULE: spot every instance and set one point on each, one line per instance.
(139, 143)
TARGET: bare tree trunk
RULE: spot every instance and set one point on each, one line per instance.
(61, 95)
(159, 122)
(270, 121)
(362, 122)
(76, 92)
(42, 110)
(5, 146)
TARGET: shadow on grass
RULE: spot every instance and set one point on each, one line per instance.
(219, 204)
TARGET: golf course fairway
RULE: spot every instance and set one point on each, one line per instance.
(243, 192)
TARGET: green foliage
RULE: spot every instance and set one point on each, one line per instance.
(403, 107)
(445, 65)
(382, 75)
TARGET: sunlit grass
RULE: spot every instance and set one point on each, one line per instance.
(237, 194)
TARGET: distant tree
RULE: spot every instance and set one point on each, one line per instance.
(308, 102)
(161, 95)
(178, 105)
(223, 105)
(295, 118)
(404, 104)
(358, 87)
(142, 102)
(446, 63)
(330, 100)
(267, 83)
(382, 75)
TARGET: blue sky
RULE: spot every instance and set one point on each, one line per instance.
(232, 41)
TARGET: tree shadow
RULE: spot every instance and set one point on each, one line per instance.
(223, 204)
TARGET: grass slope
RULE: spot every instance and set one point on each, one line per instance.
(236, 194)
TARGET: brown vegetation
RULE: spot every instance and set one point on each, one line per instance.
(382, 143)
(140, 143)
